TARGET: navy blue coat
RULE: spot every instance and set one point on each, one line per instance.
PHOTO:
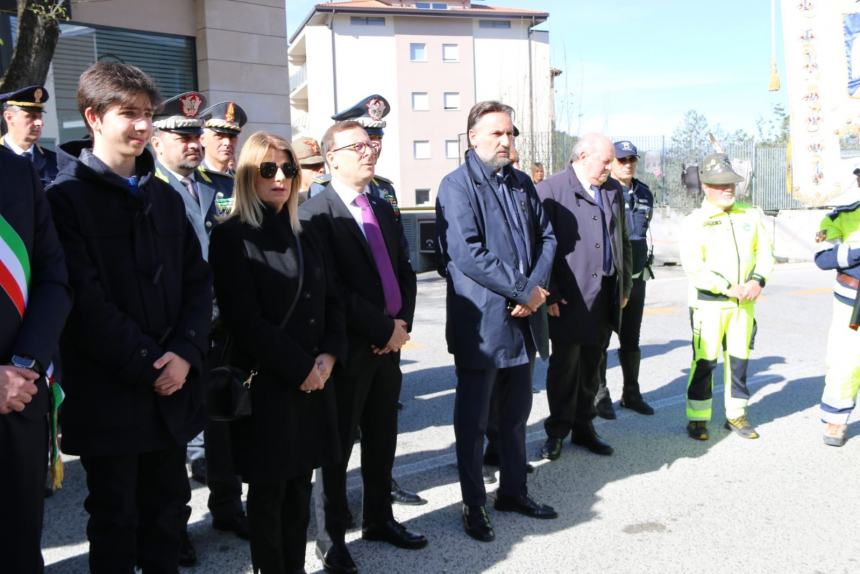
(577, 273)
(25, 210)
(44, 160)
(481, 266)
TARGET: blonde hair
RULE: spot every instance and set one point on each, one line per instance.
(246, 205)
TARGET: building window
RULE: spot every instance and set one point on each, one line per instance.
(450, 53)
(451, 100)
(506, 24)
(367, 21)
(421, 149)
(418, 52)
(452, 149)
(422, 196)
(420, 101)
(431, 5)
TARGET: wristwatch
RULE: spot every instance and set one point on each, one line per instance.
(24, 362)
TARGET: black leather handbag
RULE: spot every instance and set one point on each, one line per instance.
(228, 396)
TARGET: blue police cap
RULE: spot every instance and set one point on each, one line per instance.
(31, 98)
(225, 118)
(624, 149)
(180, 114)
(368, 112)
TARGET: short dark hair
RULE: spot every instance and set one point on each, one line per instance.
(336, 128)
(105, 84)
(481, 109)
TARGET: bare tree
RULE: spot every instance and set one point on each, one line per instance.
(38, 32)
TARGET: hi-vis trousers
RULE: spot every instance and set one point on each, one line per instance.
(843, 367)
(730, 329)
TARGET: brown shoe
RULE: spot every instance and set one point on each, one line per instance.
(834, 435)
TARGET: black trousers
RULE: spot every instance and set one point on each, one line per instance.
(476, 389)
(23, 470)
(367, 390)
(628, 338)
(573, 374)
(278, 517)
(225, 486)
(138, 507)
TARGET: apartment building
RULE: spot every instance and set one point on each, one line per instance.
(432, 61)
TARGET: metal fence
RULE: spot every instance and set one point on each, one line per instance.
(660, 167)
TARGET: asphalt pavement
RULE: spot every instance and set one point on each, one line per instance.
(662, 503)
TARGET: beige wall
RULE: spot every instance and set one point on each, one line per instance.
(241, 48)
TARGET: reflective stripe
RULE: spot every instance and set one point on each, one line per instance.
(844, 291)
(699, 410)
(842, 256)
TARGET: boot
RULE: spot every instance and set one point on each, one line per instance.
(631, 397)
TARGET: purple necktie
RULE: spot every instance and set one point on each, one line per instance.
(390, 288)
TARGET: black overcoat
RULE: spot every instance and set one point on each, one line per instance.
(289, 432)
(141, 288)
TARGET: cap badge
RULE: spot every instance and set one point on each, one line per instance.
(230, 114)
(37, 95)
(375, 109)
(190, 104)
(312, 146)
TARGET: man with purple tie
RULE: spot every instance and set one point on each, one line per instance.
(360, 235)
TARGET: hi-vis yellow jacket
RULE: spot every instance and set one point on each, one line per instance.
(724, 248)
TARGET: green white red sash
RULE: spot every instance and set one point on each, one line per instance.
(14, 267)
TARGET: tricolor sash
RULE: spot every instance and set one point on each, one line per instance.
(14, 267)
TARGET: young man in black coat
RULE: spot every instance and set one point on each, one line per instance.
(134, 345)
(34, 302)
(378, 286)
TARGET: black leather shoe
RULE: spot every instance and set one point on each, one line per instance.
(524, 505)
(394, 533)
(604, 408)
(476, 521)
(401, 496)
(637, 404)
(488, 474)
(187, 554)
(551, 449)
(336, 559)
(237, 524)
(591, 440)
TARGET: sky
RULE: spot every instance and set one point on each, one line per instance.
(635, 67)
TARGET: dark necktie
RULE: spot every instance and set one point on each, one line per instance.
(390, 287)
(607, 250)
(516, 224)
(29, 155)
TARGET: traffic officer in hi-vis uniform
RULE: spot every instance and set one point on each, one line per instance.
(176, 141)
(22, 114)
(640, 208)
(841, 231)
(727, 256)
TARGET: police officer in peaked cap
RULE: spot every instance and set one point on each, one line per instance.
(22, 115)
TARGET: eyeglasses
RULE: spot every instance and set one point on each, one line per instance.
(630, 159)
(361, 147)
(269, 169)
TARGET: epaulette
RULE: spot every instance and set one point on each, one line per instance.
(203, 174)
(843, 209)
(383, 179)
(322, 179)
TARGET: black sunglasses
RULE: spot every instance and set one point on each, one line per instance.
(269, 169)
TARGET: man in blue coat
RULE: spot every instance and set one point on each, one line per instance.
(497, 248)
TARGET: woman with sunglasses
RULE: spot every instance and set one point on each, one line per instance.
(266, 270)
